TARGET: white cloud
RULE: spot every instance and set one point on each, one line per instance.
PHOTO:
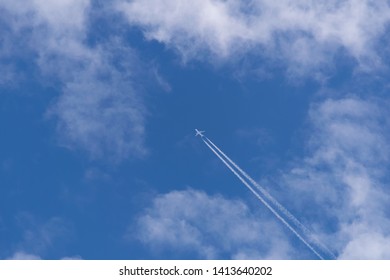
(72, 258)
(39, 237)
(55, 13)
(305, 34)
(99, 110)
(209, 226)
(47, 20)
(370, 245)
(20, 255)
(344, 174)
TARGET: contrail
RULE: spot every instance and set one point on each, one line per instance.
(273, 201)
(264, 202)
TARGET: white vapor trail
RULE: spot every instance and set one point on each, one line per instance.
(273, 201)
(264, 202)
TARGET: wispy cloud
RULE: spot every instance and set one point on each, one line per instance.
(344, 173)
(99, 110)
(20, 255)
(304, 35)
(208, 226)
(38, 239)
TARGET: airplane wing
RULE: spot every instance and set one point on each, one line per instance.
(199, 132)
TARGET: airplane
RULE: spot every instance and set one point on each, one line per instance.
(199, 132)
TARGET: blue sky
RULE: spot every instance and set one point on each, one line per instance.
(98, 106)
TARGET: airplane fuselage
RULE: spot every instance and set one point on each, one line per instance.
(199, 132)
